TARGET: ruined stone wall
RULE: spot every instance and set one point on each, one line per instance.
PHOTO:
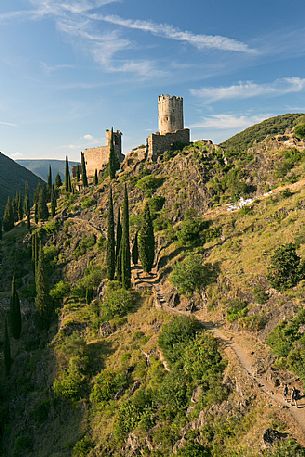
(98, 158)
(157, 144)
(171, 116)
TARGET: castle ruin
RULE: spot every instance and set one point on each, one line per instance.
(171, 127)
(98, 158)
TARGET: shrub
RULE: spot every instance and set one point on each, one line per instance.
(87, 202)
(117, 301)
(149, 184)
(70, 384)
(190, 275)
(299, 131)
(107, 384)
(82, 447)
(156, 204)
(260, 296)
(60, 290)
(193, 450)
(175, 335)
(286, 448)
(189, 233)
(84, 245)
(285, 270)
(135, 412)
(237, 309)
(283, 337)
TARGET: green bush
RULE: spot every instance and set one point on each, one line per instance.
(149, 184)
(60, 290)
(175, 335)
(286, 448)
(299, 131)
(82, 447)
(260, 295)
(156, 204)
(107, 384)
(290, 158)
(135, 412)
(237, 308)
(189, 233)
(87, 202)
(85, 245)
(117, 301)
(193, 450)
(286, 269)
(71, 383)
(190, 275)
(283, 337)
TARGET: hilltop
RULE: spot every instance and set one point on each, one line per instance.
(13, 178)
(191, 362)
(40, 167)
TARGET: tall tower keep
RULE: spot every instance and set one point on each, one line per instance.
(170, 114)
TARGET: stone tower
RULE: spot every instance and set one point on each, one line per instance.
(170, 114)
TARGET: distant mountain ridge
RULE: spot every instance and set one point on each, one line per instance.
(40, 167)
(13, 178)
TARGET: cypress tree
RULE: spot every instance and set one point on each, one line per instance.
(68, 177)
(19, 207)
(84, 171)
(135, 250)
(147, 241)
(15, 314)
(36, 213)
(26, 207)
(113, 165)
(125, 244)
(53, 201)
(58, 181)
(42, 296)
(8, 221)
(7, 350)
(43, 211)
(78, 173)
(110, 239)
(95, 178)
(15, 207)
(118, 246)
(50, 183)
(0, 229)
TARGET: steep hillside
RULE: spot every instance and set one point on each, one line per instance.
(41, 167)
(13, 178)
(192, 360)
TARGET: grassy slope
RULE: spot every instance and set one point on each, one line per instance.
(242, 251)
(13, 178)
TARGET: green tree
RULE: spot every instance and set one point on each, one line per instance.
(110, 239)
(19, 207)
(15, 314)
(190, 275)
(27, 207)
(286, 269)
(58, 181)
(8, 221)
(84, 171)
(7, 350)
(42, 294)
(147, 241)
(50, 183)
(53, 201)
(95, 178)
(125, 244)
(78, 173)
(68, 177)
(135, 250)
(36, 213)
(113, 158)
(118, 258)
(43, 211)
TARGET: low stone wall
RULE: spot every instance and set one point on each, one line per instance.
(157, 144)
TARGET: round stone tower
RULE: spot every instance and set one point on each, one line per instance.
(170, 114)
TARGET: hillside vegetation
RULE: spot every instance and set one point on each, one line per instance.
(13, 178)
(192, 359)
(41, 167)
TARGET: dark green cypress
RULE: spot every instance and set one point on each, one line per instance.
(84, 171)
(7, 350)
(53, 201)
(135, 250)
(15, 314)
(0, 229)
(42, 296)
(27, 207)
(147, 241)
(20, 207)
(78, 173)
(118, 246)
(58, 181)
(95, 178)
(110, 239)
(50, 183)
(43, 211)
(68, 177)
(36, 213)
(8, 221)
(125, 244)
(113, 165)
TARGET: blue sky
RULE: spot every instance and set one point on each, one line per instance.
(72, 68)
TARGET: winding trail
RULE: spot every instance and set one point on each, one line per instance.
(237, 345)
